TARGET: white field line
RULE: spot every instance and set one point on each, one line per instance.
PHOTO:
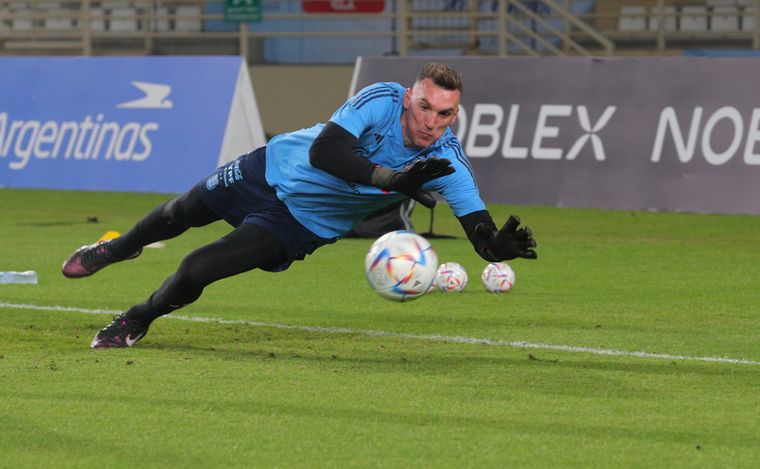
(402, 335)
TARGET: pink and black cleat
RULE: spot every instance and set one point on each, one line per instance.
(89, 259)
(121, 333)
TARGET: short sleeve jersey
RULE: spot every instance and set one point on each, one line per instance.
(329, 206)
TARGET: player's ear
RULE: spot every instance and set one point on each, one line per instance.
(407, 98)
(456, 114)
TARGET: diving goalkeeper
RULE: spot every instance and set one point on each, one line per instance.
(307, 188)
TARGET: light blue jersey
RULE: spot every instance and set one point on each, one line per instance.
(329, 206)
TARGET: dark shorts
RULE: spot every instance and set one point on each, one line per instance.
(238, 192)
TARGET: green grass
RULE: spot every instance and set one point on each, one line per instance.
(212, 395)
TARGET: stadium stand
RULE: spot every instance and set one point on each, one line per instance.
(187, 18)
(750, 16)
(669, 15)
(725, 18)
(124, 18)
(632, 18)
(288, 33)
(693, 18)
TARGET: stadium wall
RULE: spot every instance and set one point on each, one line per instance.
(295, 97)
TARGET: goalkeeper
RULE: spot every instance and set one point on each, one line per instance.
(307, 188)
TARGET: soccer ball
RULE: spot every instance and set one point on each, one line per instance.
(400, 265)
(451, 277)
(498, 277)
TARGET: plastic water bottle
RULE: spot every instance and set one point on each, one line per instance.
(28, 276)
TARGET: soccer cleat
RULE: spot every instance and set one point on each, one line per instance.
(89, 259)
(122, 332)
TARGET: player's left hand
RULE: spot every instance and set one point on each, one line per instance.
(508, 243)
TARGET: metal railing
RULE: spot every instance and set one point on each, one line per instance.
(664, 24)
(405, 27)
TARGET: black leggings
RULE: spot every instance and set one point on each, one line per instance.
(245, 248)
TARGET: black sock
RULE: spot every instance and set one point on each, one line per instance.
(166, 221)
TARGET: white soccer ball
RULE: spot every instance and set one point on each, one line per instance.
(401, 265)
(451, 277)
(498, 277)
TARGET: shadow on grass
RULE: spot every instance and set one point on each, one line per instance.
(336, 413)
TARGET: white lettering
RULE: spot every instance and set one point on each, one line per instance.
(481, 137)
(3, 124)
(478, 128)
(130, 132)
(73, 129)
(15, 125)
(709, 153)
(753, 136)
(24, 152)
(668, 119)
(87, 139)
(732, 131)
(85, 126)
(145, 140)
(507, 150)
(112, 130)
(544, 131)
(46, 136)
(596, 142)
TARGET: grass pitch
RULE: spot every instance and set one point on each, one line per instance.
(382, 390)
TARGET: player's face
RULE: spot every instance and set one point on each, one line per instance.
(428, 111)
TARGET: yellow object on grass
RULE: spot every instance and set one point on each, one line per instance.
(109, 235)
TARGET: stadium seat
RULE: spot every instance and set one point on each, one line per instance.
(632, 18)
(20, 23)
(693, 18)
(98, 22)
(670, 18)
(748, 18)
(188, 18)
(160, 19)
(57, 16)
(57, 23)
(725, 18)
(123, 19)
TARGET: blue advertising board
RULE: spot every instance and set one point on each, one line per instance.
(152, 124)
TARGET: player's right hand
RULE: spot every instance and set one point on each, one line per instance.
(409, 180)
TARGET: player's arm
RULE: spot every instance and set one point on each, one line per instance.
(463, 196)
(332, 152)
(498, 245)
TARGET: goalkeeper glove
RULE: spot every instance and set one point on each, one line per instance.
(409, 180)
(508, 243)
